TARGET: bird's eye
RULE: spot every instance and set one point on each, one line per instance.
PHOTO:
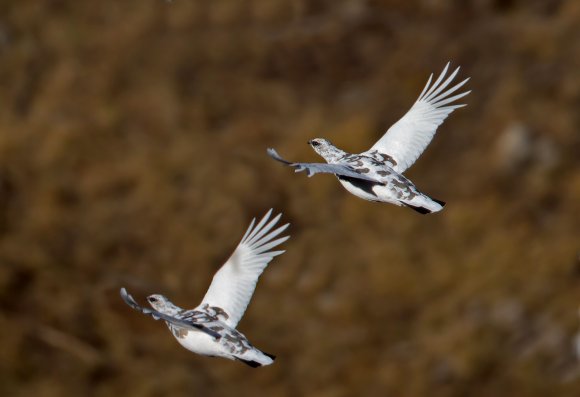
(152, 299)
(315, 143)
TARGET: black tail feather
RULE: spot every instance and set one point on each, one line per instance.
(441, 203)
(421, 210)
(251, 363)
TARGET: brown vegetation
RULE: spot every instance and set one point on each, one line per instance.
(132, 153)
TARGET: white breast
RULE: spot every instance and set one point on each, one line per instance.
(357, 191)
(382, 193)
(200, 343)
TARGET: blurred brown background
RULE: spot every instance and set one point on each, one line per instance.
(132, 153)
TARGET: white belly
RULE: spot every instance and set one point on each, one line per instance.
(381, 193)
(201, 343)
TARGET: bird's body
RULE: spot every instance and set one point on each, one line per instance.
(377, 174)
(390, 186)
(231, 344)
(210, 328)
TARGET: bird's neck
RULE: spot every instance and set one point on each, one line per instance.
(171, 309)
(332, 154)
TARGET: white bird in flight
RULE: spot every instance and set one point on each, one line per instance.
(377, 174)
(210, 328)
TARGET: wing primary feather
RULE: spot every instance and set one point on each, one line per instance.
(274, 154)
(276, 253)
(442, 86)
(249, 229)
(445, 101)
(264, 230)
(271, 244)
(234, 283)
(443, 112)
(259, 226)
(426, 87)
(449, 91)
(256, 243)
(315, 168)
(405, 140)
(129, 300)
(436, 83)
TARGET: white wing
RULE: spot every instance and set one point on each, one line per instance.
(187, 324)
(408, 137)
(320, 168)
(233, 285)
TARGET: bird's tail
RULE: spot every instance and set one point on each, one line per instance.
(424, 204)
(256, 358)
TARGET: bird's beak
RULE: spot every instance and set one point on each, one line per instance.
(309, 143)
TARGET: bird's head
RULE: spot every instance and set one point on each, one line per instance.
(324, 148)
(162, 304)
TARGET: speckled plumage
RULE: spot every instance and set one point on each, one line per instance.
(389, 186)
(210, 328)
(376, 175)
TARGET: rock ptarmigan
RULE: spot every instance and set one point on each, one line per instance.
(377, 174)
(210, 328)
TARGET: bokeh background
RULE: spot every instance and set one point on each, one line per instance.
(132, 153)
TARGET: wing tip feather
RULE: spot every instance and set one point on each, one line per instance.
(263, 231)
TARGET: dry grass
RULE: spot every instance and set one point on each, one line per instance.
(132, 153)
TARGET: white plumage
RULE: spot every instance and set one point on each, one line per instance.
(410, 136)
(376, 175)
(233, 285)
(210, 328)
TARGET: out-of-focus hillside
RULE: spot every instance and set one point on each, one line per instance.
(132, 153)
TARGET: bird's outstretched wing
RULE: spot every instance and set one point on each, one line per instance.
(319, 168)
(408, 137)
(170, 319)
(233, 285)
